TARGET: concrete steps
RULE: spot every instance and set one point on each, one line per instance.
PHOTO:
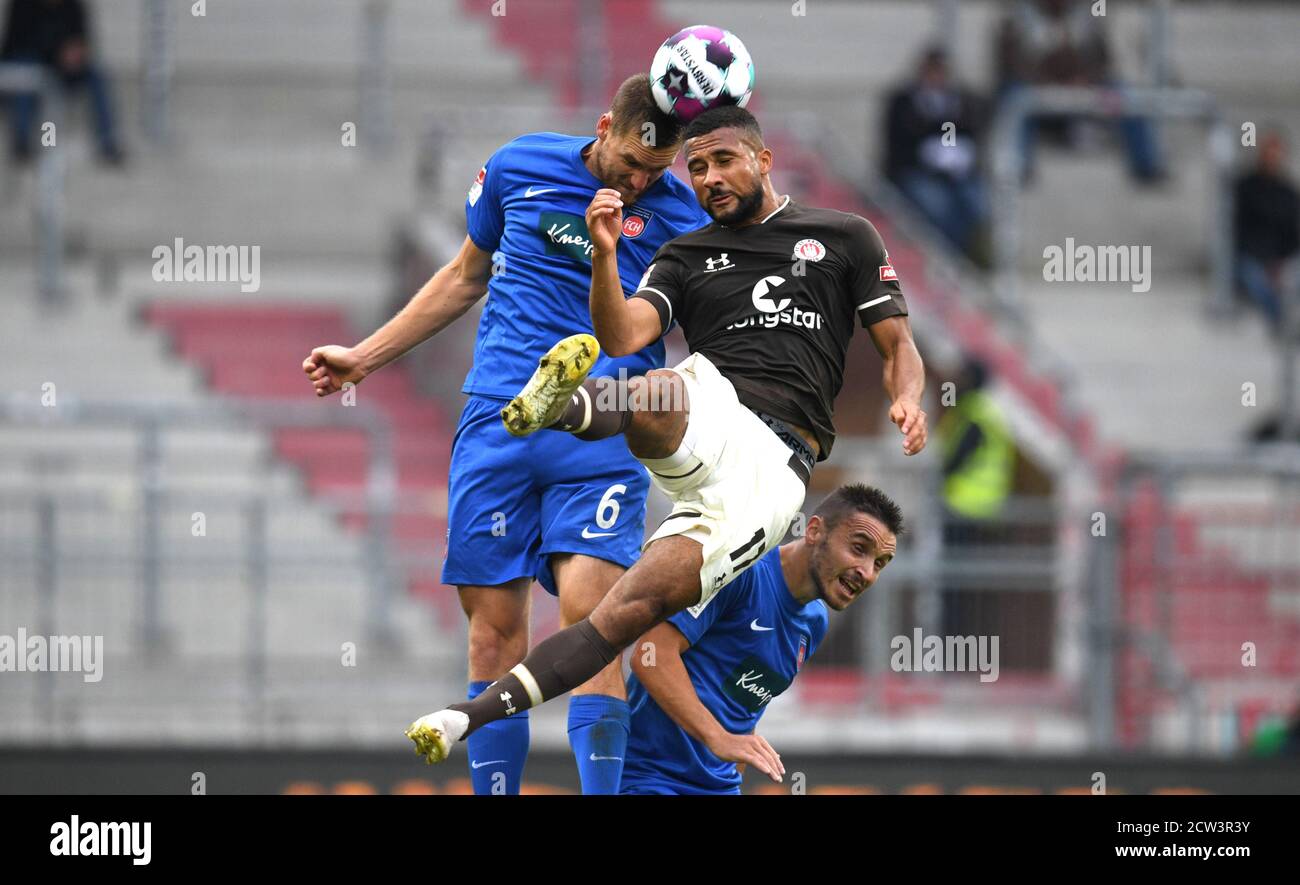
(1157, 374)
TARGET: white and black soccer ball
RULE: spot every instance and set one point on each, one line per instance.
(698, 68)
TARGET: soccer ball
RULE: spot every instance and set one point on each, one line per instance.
(698, 68)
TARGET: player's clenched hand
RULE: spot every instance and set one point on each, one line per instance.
(751, 749)
(911, 422)
(332, 366)
(605, 219)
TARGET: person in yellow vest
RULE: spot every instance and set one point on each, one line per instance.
(979, 456)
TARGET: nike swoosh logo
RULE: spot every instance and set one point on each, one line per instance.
(588, 533)
(532, 192)
(477, 765)
(595, 758)
(753, 625)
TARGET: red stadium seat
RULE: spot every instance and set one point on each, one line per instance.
(255, 352)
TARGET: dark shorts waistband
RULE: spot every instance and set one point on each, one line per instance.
(802, 458)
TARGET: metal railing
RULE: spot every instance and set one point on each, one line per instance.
(1198, 566)
(149, 421)
(159, 51)
(375, 77)
(51, 172)
(1289, 353)
(1163, 104)
(233, 630)
(953, 576)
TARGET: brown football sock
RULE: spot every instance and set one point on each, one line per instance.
(588, 415)
(558, 664)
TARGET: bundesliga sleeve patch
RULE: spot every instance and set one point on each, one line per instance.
(476, 189)
(887, 273)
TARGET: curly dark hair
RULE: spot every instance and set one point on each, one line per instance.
(727, 116)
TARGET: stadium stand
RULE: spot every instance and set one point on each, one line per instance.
(251, 106)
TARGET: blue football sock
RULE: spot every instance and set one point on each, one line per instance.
(497, 752)
(598, 730)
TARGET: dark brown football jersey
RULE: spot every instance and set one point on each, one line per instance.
(773, 305)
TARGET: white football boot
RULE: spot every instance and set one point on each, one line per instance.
(434, 734)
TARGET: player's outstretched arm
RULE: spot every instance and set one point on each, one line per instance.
(622, 326)
(904, 379)
(663, 673)
(447, 295)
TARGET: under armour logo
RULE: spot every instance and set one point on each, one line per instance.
(719, 263)
(505, 699)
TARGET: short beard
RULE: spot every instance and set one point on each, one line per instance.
(746, 208)
(814, 567)
(602, 175)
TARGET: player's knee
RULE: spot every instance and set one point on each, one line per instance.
(638, 394)
(633, 616)
(664, 391)
(495, 648)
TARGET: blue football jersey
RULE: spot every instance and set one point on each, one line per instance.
(528, 207)
(747, 645)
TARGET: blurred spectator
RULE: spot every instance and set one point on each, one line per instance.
(56, 33)
(1272, 428)
(979, 454)
(979, 468)
(937, 167)
(1061, 43)
(1266, 228)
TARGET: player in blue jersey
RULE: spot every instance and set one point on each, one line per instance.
(767, 297)
(702, 679)
(568, 513)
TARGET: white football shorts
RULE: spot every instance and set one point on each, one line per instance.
(735, 492)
